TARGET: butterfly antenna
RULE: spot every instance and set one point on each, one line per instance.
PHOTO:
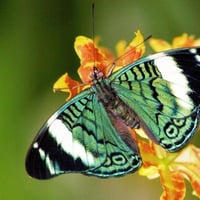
(93, 29)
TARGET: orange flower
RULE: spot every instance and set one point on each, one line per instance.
(184, 40)
(172, 168)
(91, 54)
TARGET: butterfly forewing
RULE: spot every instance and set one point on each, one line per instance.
(165, 94)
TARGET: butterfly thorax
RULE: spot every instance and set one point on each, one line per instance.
(114, 106)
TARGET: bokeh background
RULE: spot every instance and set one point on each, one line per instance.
(36, 47)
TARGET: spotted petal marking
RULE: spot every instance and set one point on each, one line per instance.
(90, 133)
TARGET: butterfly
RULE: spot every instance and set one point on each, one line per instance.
(90, 134)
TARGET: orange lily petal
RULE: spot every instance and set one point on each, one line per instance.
(148, 153)
(132, 52)
(107, 53)
(156, 163)
(159, 44)
(188, 163)
(173, 185)
(67, 84)
(90, 56)
(184, 40)
(120, 47)
(172, 168)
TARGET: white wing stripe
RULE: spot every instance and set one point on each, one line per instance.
(172, 73)
(64, 138)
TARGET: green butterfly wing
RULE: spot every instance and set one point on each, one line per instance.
(81, 138)
(164, 97)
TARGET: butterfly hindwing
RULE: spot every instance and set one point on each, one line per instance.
(164, 91)
(79, 137)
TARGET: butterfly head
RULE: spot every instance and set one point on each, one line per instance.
(96, 75)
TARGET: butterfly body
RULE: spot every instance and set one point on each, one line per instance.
(114, 106)
(90, 133)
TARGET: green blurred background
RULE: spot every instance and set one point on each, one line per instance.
(36, 47)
